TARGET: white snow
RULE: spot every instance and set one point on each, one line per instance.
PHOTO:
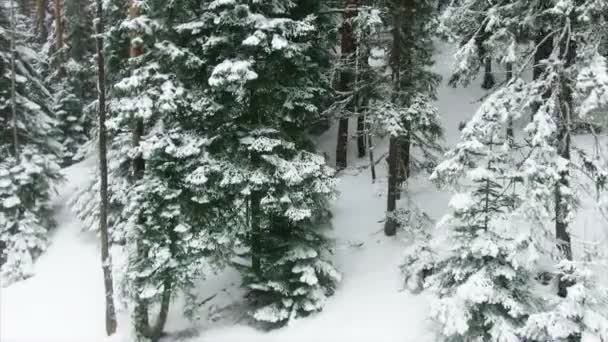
(64, 301)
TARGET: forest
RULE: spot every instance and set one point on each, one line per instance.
(303, 170)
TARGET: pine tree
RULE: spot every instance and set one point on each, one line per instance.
(29, 152)
(410, 118)
(483, 280)
(540, 210)
(259, 119)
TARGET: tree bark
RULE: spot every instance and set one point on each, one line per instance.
(59, 30)
(348, 47)
(142, 320)
(390, 225)
(394, 150)
(106, 261)
(361, 134)
(256, 252)
(510, 136)
(372, 162)
(564, 120)
(488, 76)
(544, 47)
(13, 82)
(41, 31)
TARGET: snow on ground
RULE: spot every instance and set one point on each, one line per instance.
(64, 301)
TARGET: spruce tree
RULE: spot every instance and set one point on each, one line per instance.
(483, 280)
(29, 152)
(410, 118)
(540, 210)
(267, 83)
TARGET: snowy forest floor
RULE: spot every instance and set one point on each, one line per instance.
(64, 301)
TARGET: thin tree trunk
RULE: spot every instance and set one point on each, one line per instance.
(390, 225)
(13, 82)
(347, 51)
(361, 148)
(370, 146)
(394, 150)
(106, 261)
(510, 136)
(544, 47)
(564, 119)
(41, 31)
(256, 253)
(57, 5)
(488, 76)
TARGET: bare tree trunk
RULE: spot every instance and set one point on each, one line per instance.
(13, 81)
(59, 30)
(256, 233)
(390, 225)
(544, 47)
(564, 120)
(346, 79)
(488, 76)
(57, 6)
(361, 149)
(510, 136)
(40, 19)
(370, 146)
(106, 260)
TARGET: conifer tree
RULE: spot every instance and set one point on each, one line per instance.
(475, 301)
(410, 118)
(29, 151)
(260, 117)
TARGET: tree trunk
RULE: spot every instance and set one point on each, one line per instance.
(347, 45)
(361, 148)
(256, 253)
(142, 320)
(488, 76)
(544, 47)
(13, 82)
(390, 225)
(510, 135)
(41, 31)
(59, 30)
(372, 162)
(564, 120)
(394, 150)
(106, 261)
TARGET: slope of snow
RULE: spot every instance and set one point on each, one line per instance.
(64, 302)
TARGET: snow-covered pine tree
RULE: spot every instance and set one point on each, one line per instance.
(561, 90)
(71, 77)
(268, 84)
(483, 280)
(170, 221)
(581, 316)
(28, 154)
(410, 118)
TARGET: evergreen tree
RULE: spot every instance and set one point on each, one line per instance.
(29, 153)
(483, 281)
(410, 118)
(72, 74)
(267, 82)
(535, 215)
